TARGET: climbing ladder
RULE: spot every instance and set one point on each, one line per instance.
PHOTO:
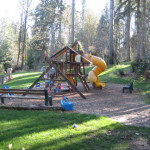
(83, 81)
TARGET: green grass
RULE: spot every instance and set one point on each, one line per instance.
(22, 79)
(39, 130)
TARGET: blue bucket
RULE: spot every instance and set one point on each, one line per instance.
(66, 104)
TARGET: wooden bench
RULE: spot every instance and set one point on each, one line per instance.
(129, 87)
(22, 92)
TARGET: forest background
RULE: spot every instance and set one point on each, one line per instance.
(121, 33)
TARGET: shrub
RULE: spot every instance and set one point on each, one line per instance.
(134, 65)
(15, 68)
(141, 68)
(2, 69)
(6, 65)
(121, 72)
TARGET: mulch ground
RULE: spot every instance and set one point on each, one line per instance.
(109, 102)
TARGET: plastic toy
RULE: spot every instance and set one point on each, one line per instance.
(7, 87)
(75, 126)
(59, 85)
(66, 104)
(56, 90)
(37, 85)
(50, 83)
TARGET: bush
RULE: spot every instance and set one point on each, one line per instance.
(141, 68)
(6, 66)
(2, 71)
(16, 68)
(121, 72)
(134, 66)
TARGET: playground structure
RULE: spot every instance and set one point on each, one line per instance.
(69, 69)
(100, 66)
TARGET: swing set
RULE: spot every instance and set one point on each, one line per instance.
(69, 70)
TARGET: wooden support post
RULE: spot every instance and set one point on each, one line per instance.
(2, 100)
(38, 79)
(76, 71)
(83, 81)
(83, 69)
(50, 100)
(42, 75)
(69, 82)
(46, 97)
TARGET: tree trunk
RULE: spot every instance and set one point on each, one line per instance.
(83, 8)
(52, 39)
(72, 22)
(127, 34)
(138, 30)
(110, 49)
(24, 49)
(143, 27)
(60, 15)
(19, 44)
(24, 43)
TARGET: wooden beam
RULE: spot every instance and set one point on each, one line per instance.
(21, 92)
(55, 108)
(69, 82)
(38, 79)
(23, 97)
(83, 81)
(33, 90)
(80, 55)
(42, 75)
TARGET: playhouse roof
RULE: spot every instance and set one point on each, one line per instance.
(70, 49)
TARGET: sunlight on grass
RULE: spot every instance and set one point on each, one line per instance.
(25, 74)
(36, 130)
(30, 134)
(22, 79)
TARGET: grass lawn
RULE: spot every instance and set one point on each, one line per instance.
(43, 130)
(22, 79)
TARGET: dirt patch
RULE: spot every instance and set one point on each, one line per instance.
(139, 144)
(109, 102)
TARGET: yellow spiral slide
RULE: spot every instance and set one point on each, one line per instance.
(100, 66)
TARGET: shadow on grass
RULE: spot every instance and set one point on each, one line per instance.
(94, 139)
(27, 122)
(47, 130)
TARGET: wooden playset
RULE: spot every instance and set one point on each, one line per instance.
(67, 70)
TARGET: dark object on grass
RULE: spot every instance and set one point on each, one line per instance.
(129, 87)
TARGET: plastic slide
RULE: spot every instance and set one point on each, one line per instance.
(100, 66)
